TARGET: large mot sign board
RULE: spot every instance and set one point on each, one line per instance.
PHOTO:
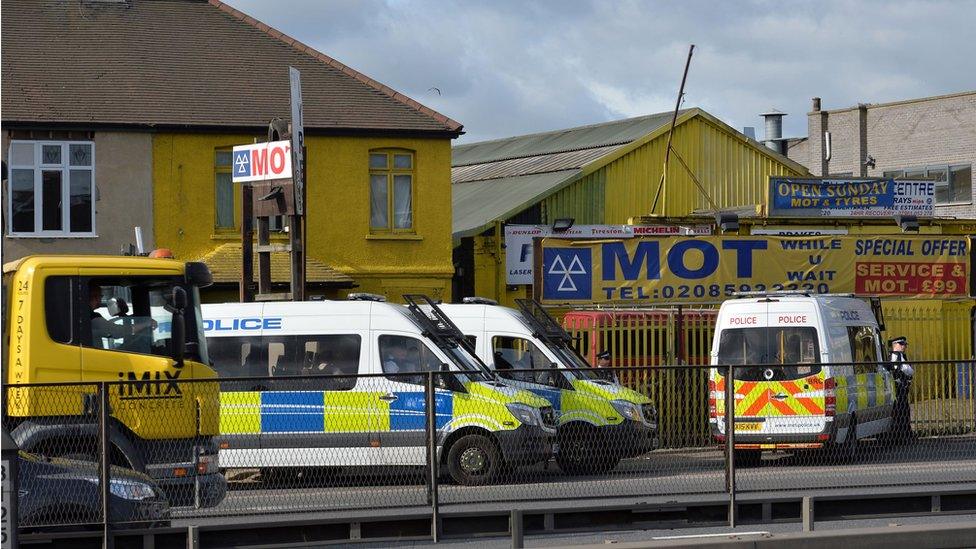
(711, 269)
(518, 241)
(806, 197)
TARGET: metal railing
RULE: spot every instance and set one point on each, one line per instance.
(307, 445)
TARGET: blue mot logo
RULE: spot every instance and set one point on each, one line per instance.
(567, 273)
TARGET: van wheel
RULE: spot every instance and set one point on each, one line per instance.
(577, 457)
(473, 460)
(747, 458)
(850, 449)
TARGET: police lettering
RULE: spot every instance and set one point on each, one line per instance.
(792, 319)
(743, 320)
(244, 324)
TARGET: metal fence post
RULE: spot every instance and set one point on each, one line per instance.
(105, 462)
(431, 416)
(11, 490)
(730, 440)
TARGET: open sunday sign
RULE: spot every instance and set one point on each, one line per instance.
(805, 197)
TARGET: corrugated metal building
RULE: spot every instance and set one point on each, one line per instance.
(601, 173)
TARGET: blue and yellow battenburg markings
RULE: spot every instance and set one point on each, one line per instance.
(554, 396)
(332, 411)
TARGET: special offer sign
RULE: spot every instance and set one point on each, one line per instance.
(262, 161)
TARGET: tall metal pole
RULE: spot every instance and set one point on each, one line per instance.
(730, 439)
(674, 120)
(105, 462)
(431, 414)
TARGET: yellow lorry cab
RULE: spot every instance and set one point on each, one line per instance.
(809, 374)
(80, 320)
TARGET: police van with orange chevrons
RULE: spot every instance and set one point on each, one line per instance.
(809, 374)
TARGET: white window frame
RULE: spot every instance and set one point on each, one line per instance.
(65, 167)
(938, 184)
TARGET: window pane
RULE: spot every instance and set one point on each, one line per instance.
(21, 154)
(378, 214)
(938, 174)
(51, 154)
(80, 155)
(941, 193)
(402, 201)
(81, 201)
(961, 183)
(22, 200)
(914, 174)
(894, 174)
(223, 158)
(225, 201)
(51, 201)
(59, 308)
(403, 161)
(378, 161)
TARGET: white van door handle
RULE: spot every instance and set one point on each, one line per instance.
(780, 396)
(388, 397)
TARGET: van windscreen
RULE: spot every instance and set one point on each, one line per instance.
(795, 349)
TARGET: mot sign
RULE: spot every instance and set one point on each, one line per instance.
(262, 161)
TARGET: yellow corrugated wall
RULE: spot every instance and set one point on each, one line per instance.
(942, 394)
(734, 172)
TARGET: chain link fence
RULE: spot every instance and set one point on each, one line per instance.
(317, 444)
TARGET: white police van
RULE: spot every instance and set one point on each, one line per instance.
(600, 421)
(362, 400)
(810, 373)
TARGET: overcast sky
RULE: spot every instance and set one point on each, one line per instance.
(509, 67)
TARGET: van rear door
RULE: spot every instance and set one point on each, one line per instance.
(779, 384)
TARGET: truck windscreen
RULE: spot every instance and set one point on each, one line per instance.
(794, 352)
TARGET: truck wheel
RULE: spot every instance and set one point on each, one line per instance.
(473, 460)
(581, 453)
(747, 458)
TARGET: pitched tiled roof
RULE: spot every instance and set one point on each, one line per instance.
(225, 265)
(182, 63)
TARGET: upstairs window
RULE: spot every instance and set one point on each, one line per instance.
(391, 176)
(51, 188)
(953, 182)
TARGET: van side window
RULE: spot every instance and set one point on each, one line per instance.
(516, 353)
(863, 349)
(405, 355)
(332, 355)
(60, 309)
(304, 355)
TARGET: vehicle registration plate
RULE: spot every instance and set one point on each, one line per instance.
(748, 426)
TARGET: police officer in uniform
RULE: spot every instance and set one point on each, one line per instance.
(903, 373)
(603, 363)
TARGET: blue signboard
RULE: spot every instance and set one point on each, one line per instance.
(806, 197)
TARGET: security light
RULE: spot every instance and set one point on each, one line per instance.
(908, 223)
(563, 224)
(727, 221)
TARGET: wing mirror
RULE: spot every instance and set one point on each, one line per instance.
(178, 333)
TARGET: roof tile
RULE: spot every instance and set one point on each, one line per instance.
(181, 63)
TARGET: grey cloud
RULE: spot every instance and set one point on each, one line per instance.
(510, 67)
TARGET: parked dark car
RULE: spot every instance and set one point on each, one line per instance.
(59, 493)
